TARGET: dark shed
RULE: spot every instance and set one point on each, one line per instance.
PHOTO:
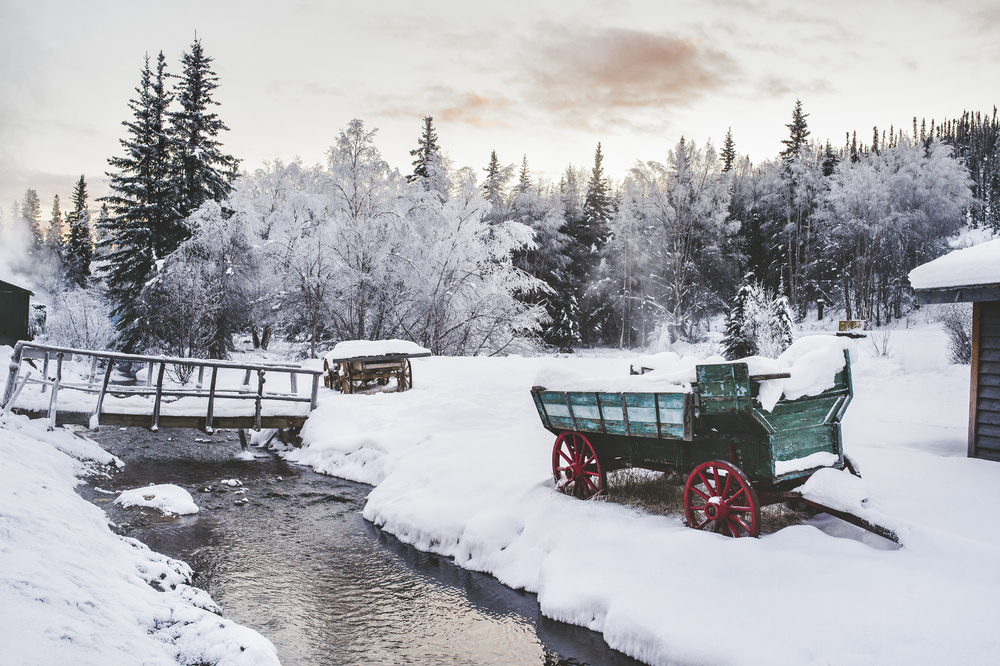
(972, 276)
(14, 305)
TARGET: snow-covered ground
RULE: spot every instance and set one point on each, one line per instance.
(461, 466)
(73, 592)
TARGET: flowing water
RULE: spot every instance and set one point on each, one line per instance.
(288, 554)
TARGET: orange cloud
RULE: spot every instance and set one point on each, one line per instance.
(597, 75)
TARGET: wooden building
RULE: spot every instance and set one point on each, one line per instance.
(972, 275)
(14, 307)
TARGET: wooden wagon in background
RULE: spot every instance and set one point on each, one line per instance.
(737, 456)
(348, 369)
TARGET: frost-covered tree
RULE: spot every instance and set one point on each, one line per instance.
(429, 168)
(54, 233)
(31, 213)
(79, 318)
(494, 188)
(679, 209)
(758, 323)
(205, 172)
(200, 297)
(79, 244)
(887, 213)
(728, 154)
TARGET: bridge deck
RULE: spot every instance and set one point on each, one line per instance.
(81, 391)
(168, 421)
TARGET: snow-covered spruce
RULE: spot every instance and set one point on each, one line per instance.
(74, 592)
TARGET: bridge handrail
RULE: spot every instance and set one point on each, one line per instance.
(158, 392)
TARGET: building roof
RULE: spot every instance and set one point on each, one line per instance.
(7, 286)
(963, 276)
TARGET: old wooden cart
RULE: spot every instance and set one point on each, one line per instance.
(738, 457)
(359, 366)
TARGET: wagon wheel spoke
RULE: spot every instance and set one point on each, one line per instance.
(699, 493)
(707, 485)
(725, 490)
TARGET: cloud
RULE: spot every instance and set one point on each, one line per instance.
(480, 109)
(598, 76)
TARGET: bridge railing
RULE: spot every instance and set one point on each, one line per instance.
(157, 390)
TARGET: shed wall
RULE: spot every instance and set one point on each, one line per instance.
(984, 420)
(13, 316)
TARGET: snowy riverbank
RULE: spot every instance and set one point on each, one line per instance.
(462, 468)
(74, 592)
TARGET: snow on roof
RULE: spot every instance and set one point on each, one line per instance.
(979, 264)
(355, 348)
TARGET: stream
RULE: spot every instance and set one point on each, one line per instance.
(288, 554)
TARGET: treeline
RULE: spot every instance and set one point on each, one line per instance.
(186, 254)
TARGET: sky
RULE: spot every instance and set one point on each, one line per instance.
(546, 80)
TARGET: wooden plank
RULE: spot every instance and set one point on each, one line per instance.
(986, 417)
(987, 429)
(989, 367)
(987, 442)
(987, 380)
(110, 419)
(991, 392)
(988, 404)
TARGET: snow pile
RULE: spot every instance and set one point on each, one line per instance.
(813, 363)
(169, 499)
(463, 468)
(355, 348)
(75, 593)
(979, 264)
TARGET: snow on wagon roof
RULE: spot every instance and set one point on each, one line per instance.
(357, 348)
(976, 265)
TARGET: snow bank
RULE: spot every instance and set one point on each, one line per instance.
(166, 498)
(462, 465)
(75, 593)
(355, 348)
(813, 363)
(979, 264)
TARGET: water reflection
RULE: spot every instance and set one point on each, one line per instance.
(300, 565)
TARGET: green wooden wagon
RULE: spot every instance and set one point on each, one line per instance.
(737, 456)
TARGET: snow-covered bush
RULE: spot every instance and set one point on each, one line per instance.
(956, 320)
(79, 318)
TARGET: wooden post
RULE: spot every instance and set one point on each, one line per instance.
(159, 395)
(13, 368)
(315, 393)
(977, 311)
(293, 381)
(201, 377)
(246, 380)
(149, 373)
(93, 371)
(104, 390)
(17, 392)
(258, 401)
(209, 427)
(55, 391)
(45, 373)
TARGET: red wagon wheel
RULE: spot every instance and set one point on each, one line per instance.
(575, 466)
(718, 497)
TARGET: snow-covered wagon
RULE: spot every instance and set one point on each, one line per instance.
(745, 438)
(359, 366)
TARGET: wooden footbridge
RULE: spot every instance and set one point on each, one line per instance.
(84, 387)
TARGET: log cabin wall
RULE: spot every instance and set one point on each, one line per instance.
(984, 414)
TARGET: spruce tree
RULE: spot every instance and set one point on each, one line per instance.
(728, 154)
(738, 342)
(143, 206)
(204, 171)
(798, 132)
(428, 167)
(54, 234)
(80, 245)
(524, 177)
(495, 180)
(31, 211)
(598, 321)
